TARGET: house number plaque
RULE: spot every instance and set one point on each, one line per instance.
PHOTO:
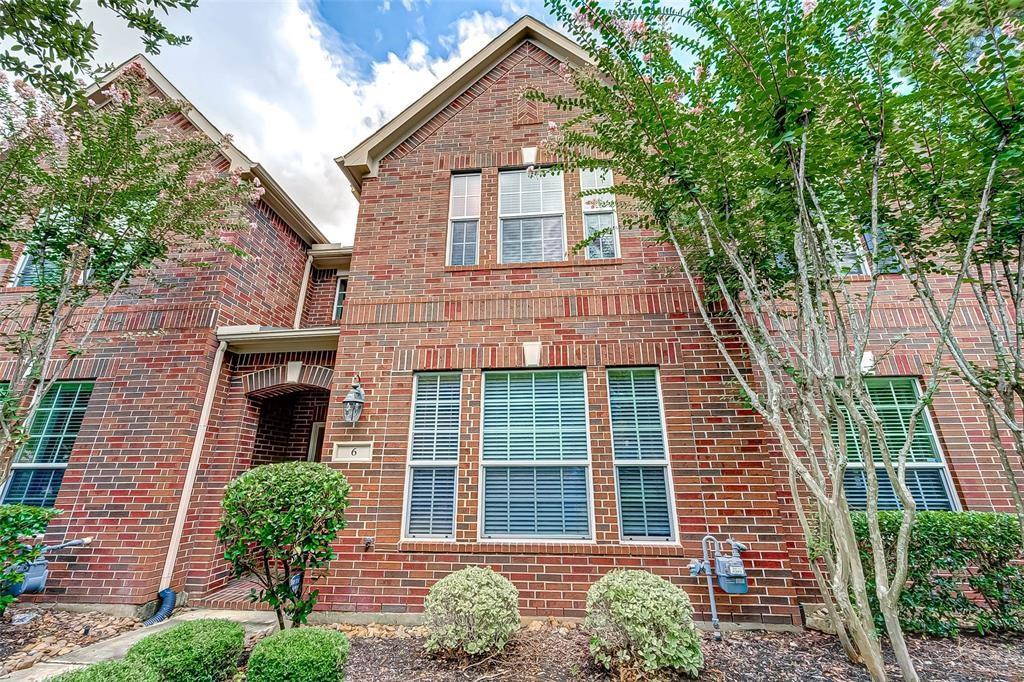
(353, 452)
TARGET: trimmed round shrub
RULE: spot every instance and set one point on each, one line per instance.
(641, 624)
(299, 655)
(195, 651)
(109, 671)
(471, 612)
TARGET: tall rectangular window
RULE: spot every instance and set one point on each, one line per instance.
(38, 467)
(894, 399)
(28, 272)
(531, 216)
(339, 297)
(641, 456)
(536, 455)
(600, 222)
(433, 455)
(464, 219)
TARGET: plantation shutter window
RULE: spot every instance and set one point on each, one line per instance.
(927, 478)
(536, 455)
(531, 212)
(433, 455)
(39, 465)
(599, 218)
(339, 297)
(641, 455)
(464, 219)
(29, 271)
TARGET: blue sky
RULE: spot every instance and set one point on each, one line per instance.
(378, 27)
(300, 82)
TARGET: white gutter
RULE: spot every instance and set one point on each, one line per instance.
(193, 467)
(301, 303)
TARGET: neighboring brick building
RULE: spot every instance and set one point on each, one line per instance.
(549, 413)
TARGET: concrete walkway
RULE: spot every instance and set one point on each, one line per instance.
(116, 647)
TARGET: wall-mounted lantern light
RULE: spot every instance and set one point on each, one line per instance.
(529, 155)
(353, 403)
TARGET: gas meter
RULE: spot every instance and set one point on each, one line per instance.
(732, 575)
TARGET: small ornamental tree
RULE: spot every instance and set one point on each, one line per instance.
(19, 527)
(47, 42)
(279, 524)
(781, 148)
(97, 197)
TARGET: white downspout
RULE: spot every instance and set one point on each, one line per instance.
(301, 303)
(193, 467)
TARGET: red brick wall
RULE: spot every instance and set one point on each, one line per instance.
(151, 362)
(407, 312)
(320, 295)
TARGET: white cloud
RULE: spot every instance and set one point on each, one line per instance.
(290, 90)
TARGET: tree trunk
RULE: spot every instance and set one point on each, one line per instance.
(896, 639)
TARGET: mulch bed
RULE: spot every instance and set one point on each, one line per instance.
(558, 652)
(29, 635)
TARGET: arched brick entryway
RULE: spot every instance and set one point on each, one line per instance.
(289, 377)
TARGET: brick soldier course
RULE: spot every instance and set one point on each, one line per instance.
(423, 308)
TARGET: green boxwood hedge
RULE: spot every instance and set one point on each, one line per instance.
(966, 571)
(109, 671)
(305, 654)
(194, 651)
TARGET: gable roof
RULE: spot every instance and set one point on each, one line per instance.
(363, 159)
(274, 194)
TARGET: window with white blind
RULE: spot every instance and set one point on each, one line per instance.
(643, 481)
(894, 399)
(599, 217)
(39, 465)
(531, 216)
(28, 272)
(536, 456)
(464, 219)
(433, 455)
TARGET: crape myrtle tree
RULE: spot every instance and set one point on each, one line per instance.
(47, 43)
(761, 140)
(97, 197)
(955, 198)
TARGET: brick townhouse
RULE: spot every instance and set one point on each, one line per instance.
(549, 412)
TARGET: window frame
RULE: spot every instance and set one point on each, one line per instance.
(410, 465)
(336, 313)
(860, 253)
(588, 467)
(314, 435)
(452, 220)
(613, 210)
(524, 216)
(23, 259)
(942, 464)
(673, 538)
(49, 466)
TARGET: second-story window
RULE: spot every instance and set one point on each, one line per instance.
(28, 272)
(339, 297)
(531, 217)
(464, 219)
(599, 214)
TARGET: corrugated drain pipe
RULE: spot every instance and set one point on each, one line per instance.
(167, 595)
